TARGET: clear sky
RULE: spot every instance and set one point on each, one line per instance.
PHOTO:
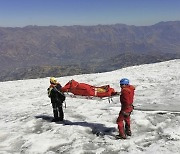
(20, 13)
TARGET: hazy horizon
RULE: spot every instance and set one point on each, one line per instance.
(22, 13)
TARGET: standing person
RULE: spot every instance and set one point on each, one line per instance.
(57, 98)
(126, 99)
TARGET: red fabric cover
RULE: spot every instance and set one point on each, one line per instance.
(84, 89)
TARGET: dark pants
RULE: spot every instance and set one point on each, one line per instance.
(58, 111)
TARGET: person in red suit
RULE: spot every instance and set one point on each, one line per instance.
(126, 100)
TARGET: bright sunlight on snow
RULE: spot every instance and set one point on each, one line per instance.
(90, 125)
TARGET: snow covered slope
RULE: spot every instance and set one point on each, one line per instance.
(90, 125)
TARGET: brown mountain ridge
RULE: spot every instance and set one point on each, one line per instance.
(31, 51)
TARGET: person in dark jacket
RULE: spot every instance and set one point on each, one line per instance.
(57, 98)
(126, 99)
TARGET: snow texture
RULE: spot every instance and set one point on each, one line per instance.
(90, 125)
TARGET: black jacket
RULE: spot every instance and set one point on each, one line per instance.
(54, 92)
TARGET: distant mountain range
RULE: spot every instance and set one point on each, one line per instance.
(37, 51)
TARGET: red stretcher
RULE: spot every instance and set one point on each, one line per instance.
(75, 89)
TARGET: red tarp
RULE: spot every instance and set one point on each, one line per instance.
(84, 89)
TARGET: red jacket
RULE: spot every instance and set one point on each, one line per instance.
(126, 98)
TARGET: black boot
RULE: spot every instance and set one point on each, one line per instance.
(120, 136)
(127, 130)
(55, 120)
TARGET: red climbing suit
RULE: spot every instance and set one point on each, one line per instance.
(126, 99)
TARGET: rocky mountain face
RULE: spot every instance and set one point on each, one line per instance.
(34, 51)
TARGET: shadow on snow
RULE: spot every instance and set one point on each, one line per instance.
(97, 129)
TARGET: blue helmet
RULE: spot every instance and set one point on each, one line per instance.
(124, 81)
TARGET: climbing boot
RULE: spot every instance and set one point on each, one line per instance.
(120, 136)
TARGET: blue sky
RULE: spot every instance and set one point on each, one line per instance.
(20, 13)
